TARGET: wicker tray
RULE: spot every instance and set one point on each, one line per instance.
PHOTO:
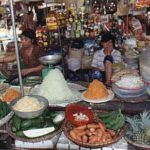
(6, 118)
(140, 147)
(42, 138)
(67, 126)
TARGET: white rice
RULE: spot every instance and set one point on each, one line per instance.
(130, 81)
(54, 87)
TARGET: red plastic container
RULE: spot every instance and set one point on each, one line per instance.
(72, 109)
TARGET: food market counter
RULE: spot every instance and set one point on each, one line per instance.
(127, 107)
(60, 142)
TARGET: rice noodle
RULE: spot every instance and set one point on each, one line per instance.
(130, 81)
(28, 104)
(54, 87)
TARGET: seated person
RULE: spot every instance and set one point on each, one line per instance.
(104, 58)
(29, 54)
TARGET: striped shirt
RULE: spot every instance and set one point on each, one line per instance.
(98, 58)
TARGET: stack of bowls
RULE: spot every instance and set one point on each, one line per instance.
(128, 92)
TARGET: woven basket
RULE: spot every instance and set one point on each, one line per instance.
(6, 118)
(39, 139)
(67, 126)
(140, 147)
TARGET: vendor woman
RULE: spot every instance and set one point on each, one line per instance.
(104, 58)
(29, 54)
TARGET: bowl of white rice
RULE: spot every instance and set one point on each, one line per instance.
(129, 86)
(29, 106)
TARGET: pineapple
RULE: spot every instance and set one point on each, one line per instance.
(140, 138)
(135, 132)
(145, 123)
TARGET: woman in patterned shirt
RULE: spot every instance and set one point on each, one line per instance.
(104, 58)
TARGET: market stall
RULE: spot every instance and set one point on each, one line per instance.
(63, 104)
(53, 112)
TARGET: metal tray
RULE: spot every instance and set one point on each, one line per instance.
(50, 59)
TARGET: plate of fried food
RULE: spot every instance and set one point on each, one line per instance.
(97, 93)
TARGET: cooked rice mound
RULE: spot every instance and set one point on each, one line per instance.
(96, 90)
(54, 87)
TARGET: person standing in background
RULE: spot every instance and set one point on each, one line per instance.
(104, 58)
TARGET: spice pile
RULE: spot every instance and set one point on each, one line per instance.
(96, 90)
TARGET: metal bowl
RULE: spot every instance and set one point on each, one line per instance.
(32, 114)
(50, 59)
(32, 80)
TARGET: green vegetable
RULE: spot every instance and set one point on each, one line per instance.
(30, 123)
(57, 126)
(17, 122)
(44, 121)
(37, 122)
(105, 115)
(26, 124)
(117, 124)
(116, 119)
(113, 120)
(1, 110)
(13, 129)
(109, 118)
(46, 113)
(4, 109)
(120, 123)
(20, 134)
(7, 108)
(48, 123)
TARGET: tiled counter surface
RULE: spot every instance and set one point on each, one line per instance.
(61, 142)
(65, 144)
